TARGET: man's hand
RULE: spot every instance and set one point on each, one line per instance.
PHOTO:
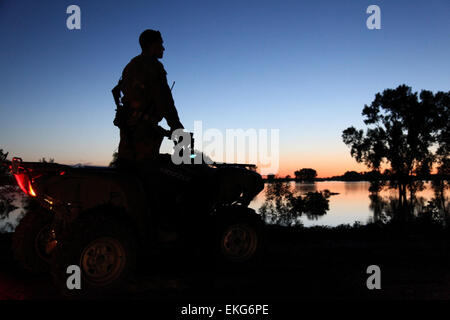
(176, 127)
(163, 132)
(176, 133)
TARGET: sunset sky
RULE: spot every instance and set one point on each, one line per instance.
(304, 67)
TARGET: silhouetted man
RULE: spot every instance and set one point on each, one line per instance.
(148, 99)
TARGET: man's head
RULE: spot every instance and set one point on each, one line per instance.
(151, 43)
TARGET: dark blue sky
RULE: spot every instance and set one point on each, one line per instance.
(306, 68)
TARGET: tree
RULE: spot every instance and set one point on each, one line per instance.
(305, 174)
(442, 125)
(352, 176)
(43, 160)
(6, 177)
(3, 169)
(401, 133)
(113, 163)
(7, 194)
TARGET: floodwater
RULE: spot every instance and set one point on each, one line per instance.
(351, 204)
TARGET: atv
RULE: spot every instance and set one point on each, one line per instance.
(108, 221)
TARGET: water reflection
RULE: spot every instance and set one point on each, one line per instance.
(354, 203)
(285, 204)
(355, 186)
(305, 187)
(378, 207)
(427, 202)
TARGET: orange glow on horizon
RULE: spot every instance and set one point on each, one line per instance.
(326, 164)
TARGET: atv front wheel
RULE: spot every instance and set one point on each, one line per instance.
(104, 250)
(239, 242)
(33, 241)
(239, 234)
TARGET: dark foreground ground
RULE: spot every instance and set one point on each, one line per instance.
(297, 265)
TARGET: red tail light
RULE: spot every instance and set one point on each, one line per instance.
(22, 177)
(25, 184)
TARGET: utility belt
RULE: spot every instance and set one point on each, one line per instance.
(138, 117)
(130, 114)
(127, 116)
(129, 119)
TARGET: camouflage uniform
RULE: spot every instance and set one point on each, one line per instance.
(148, 96)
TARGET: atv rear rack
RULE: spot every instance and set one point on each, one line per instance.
(238, 165)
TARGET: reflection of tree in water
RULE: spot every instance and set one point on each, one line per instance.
(384, 208)
(377, 206)
(302, 187)
(436, 210)
(285, 206)
(351, 187)
(439, 206)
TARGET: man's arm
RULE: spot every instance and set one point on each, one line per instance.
(171, 113)
(163, 100)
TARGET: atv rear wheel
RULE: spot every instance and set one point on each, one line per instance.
(105, 251)
(33, 241)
